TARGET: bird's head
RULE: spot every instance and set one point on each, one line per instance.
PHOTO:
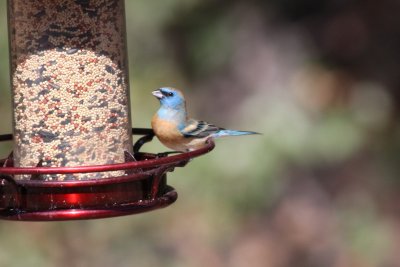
(170, 97)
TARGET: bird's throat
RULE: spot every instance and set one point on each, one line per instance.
(172, 115)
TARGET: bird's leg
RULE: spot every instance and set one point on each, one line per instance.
(164, 154)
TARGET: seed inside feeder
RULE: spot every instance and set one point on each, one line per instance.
(70, 85)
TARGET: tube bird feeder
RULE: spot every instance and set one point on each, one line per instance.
(73, 156)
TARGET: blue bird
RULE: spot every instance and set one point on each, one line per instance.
(175, 130)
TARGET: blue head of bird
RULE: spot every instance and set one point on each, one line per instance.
(170, 98)
(173, 107)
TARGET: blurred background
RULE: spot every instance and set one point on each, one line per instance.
(319, 188)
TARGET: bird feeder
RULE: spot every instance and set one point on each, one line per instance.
(73, 156)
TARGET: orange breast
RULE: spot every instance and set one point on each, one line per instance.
(167, 133)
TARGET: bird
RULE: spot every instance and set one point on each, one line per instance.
(176, 130)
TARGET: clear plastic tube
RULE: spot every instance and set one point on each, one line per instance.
(70, 84)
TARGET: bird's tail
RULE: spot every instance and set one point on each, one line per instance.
(224, 132)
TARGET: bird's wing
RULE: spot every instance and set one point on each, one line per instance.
(199, 129)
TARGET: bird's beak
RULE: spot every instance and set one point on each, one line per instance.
(158, 94)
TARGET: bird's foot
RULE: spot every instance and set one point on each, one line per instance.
(165, 154)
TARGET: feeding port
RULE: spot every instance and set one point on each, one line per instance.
(143, 187)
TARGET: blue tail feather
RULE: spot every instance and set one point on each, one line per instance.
(221, 133)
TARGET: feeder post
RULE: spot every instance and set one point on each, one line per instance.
(70, 85)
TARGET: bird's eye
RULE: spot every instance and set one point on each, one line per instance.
(170, 94)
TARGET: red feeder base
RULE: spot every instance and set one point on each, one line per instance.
(142, 188)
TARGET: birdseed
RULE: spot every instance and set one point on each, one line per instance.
(70, 84)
